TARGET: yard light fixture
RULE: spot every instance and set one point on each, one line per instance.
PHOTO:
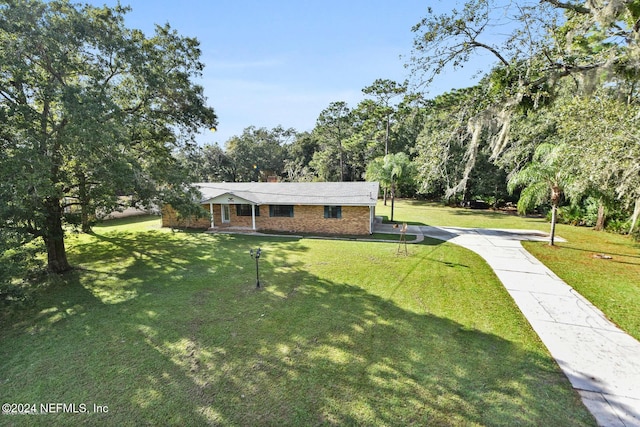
(256, 255)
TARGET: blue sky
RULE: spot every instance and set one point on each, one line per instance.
(270, 63)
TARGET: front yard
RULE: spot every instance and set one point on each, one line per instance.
(611, 282)
(168, 329)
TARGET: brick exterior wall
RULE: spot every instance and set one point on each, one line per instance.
(306, 219)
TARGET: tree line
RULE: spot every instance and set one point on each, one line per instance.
(92, 110)
(553, 126)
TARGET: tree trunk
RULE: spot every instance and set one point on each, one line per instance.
(54, 238)
(556, 194)
(384, 196)
(554, 214)
(635, 216)
(84, 203)
(386, 137)
(601, 217)
(341, 160)
(84, 214)
(393, 198)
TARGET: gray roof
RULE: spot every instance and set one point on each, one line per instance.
(294, 193)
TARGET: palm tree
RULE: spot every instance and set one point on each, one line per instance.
(389, 171)
(544, 179)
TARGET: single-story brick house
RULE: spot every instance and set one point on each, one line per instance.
(304, 207)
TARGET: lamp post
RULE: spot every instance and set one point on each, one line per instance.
(256, 255)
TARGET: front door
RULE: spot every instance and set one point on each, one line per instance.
(226, 214)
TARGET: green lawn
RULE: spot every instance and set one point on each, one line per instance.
(168, 329)
(429, 213)
(613, 285)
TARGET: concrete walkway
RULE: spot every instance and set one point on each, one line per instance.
(601, 361)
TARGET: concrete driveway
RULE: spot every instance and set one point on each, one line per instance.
(601, 361)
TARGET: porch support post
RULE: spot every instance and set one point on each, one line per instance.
(253, 216)
(211, 212)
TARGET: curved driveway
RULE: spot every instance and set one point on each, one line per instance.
(601, 361)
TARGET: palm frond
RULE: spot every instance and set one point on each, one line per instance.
(533, 195)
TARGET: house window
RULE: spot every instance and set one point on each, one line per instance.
(281, 210)
(333, 212)
(245, 210)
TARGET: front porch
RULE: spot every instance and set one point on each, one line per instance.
(228, 212)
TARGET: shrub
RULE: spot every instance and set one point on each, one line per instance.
(590, 217)
(19, 266)
(572, 215)
(619, 226)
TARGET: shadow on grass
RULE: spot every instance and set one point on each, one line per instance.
(169, 329)
(607, 252)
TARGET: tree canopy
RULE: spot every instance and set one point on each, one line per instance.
(91, 110)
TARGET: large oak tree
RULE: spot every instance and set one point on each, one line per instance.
(90, 110)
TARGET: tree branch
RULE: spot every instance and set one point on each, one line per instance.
(565, 70)
(569, 6)
(29, 229)
(490, 49)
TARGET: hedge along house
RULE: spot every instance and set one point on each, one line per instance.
(304, 207)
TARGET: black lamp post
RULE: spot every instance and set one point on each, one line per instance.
(256, 255)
